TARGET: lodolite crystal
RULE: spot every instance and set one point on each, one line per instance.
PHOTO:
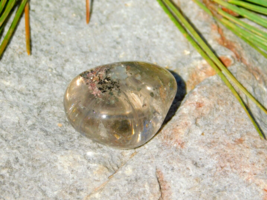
(122, 105)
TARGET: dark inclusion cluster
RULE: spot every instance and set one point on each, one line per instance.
(99, 82)
(107, 85)
(84, 74)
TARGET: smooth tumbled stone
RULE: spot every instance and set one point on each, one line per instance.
(122, 105)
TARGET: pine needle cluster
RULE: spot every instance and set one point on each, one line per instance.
(228, 14)
(242, 18)
(7, 7)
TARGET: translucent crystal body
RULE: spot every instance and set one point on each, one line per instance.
(121, 105)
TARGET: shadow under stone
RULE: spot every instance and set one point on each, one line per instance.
(180, 94)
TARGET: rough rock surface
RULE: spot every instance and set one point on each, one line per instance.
(207, 150)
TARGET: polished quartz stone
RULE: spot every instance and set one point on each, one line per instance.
(122, 105)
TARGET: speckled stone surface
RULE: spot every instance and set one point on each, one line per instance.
(207, 150)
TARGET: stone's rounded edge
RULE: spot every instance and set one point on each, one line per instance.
(65, 102)
(172, 82)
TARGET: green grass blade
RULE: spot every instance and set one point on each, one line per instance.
(12, 26)
(7, 11)
(243, 12)
(249, 6)
(207, 58)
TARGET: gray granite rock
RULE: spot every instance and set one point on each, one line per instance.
(207, 150)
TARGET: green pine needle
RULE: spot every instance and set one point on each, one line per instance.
(6, 10)
(2, 5)
(243, 12)
(259, 2)
(245, 31)
(249, 27)
(249, 6)
(194, 38)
